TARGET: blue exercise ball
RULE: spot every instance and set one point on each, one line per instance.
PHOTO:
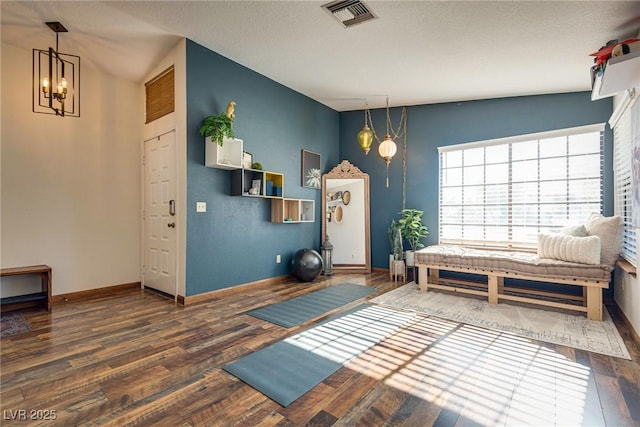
(306, 264)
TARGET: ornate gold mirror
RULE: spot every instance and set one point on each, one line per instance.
(345, 207)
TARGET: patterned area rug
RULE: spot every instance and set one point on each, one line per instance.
(13, 323)
(551, 326)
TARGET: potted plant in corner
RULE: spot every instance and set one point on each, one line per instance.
(413, 231)
(396, 263)
(395, 241)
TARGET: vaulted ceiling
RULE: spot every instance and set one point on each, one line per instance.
(414, 52)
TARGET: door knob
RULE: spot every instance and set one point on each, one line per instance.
(171, 225)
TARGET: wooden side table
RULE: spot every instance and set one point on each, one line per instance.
(45, 275)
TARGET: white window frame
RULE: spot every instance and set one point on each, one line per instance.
(530, 243)
(622, 123)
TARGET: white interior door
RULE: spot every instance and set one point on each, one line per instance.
(159, 216)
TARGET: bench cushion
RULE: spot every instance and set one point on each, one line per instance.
(512, 262)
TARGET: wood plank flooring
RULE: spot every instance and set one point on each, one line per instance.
(135, 358)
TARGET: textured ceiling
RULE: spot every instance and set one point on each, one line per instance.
(415, 52)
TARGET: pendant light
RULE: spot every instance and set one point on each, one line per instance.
(365, 136)
(56, 79)
(387, 148)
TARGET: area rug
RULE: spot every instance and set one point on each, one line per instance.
(306, 307)
(551, 326)
(13, 323)
(286, 370)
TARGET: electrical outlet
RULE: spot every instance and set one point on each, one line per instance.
(278, 259)
(201, 206)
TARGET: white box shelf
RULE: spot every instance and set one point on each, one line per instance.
(229, 156)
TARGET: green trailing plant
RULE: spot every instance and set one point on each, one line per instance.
(412, 229)
(217, 127)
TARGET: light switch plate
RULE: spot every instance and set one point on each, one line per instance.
(201, 206)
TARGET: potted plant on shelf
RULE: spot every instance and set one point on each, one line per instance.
(220, 126)
(413, 231)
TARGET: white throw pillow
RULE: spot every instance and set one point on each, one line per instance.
(584, 250)
(574, 230)
(609, 229)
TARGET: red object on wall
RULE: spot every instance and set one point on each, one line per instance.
(605, 53)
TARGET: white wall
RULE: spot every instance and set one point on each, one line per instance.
(70, 186)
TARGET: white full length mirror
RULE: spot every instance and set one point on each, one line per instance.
(345, 204)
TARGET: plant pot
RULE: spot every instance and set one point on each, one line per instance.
(409, 256)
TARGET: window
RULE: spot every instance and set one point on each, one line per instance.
(622, 147)
(160, 97)
(502, 193)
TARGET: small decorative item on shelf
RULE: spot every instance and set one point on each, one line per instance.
(247, 160)
(220, 126)
(255, 187)
(256, 166)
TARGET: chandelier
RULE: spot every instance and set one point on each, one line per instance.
(56, 79)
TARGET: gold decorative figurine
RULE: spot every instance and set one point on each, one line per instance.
(230, 110)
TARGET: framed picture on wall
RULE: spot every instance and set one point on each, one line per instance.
(311, 175)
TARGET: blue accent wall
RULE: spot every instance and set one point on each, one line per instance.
(234, 242)
(431, 126)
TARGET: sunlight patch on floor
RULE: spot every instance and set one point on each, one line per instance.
(488, 377)
(342, 339)
(494, 378)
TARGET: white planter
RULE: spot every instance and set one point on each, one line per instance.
(409, 256)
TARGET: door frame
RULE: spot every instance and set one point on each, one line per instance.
(179, 206)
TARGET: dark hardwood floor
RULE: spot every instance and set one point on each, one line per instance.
(135, 358)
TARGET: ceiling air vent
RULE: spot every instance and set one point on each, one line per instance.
(349, 12)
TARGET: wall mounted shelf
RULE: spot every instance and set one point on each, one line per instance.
(621, 72)
(242, 181)
(229, 156)
(269, 185)
(291, 211)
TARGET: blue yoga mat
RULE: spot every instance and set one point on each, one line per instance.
(306, 307)
(286, 370)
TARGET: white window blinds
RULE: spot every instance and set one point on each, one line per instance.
(622, 167)
(502, 193)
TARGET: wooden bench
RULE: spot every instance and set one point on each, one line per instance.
(495, 290)
(44, 297)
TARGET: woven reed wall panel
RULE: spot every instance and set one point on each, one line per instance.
(160, 95)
